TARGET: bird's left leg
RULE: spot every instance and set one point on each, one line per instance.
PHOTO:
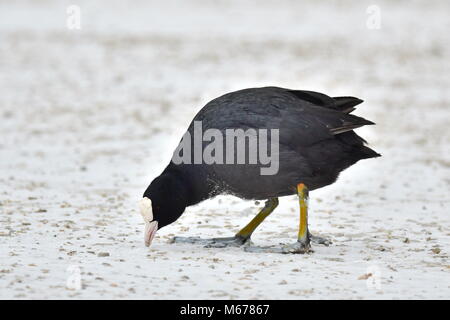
(240, 238)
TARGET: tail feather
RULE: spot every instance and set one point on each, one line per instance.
(358, 145)
(350, 122)
(366, 153)
(317, 98)
(346, 104)
(343, 104)
(351, 138)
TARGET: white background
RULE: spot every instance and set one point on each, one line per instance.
(89, 117)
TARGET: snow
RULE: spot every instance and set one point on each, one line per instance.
(89, 117)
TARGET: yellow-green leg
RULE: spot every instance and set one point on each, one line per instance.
(247, 231)
(239, 238)
(303, 240)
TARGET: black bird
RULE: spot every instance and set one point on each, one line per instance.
(310, 138)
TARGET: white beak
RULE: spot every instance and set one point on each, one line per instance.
(145, 205)
(150, 231)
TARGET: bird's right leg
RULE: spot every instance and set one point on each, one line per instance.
(239, 238)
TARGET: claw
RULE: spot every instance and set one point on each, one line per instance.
(235, 241)
(227, 242)
(320, 240)
(297, 247)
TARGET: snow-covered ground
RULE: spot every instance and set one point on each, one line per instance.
(89, 117)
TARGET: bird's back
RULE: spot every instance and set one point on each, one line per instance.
(316, 140)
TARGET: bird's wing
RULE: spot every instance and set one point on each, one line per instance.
(302, 119)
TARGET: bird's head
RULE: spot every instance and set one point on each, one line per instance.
(163, 203)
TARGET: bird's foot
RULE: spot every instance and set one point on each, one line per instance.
(320, 240)
(297, 247)
(235, 241)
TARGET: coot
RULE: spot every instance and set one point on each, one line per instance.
(258, 144)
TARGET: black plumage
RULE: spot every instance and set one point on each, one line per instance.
(316, 143)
